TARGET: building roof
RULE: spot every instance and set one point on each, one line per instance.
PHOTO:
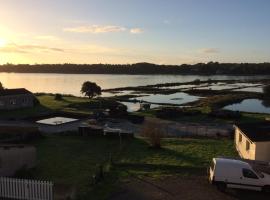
(17, 91)
(256, 132)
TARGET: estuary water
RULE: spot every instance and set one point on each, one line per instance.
(71, 83)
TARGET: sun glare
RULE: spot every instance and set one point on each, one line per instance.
(3, 42)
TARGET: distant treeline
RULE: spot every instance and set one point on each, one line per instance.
(210, 68)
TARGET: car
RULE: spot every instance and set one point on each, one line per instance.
(239, 174)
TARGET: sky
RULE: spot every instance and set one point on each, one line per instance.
(131, 31)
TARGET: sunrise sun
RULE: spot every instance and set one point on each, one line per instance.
(3, 42)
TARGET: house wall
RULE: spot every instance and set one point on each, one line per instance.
(16, 101)
(14, 158)
(263, 151)
(241, 146)
(12, 133)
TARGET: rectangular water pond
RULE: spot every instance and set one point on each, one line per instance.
(54, 121)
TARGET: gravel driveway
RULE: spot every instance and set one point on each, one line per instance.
(178, 188)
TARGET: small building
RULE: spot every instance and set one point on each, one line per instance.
(252, 141)
(16, 157)
(15, 99)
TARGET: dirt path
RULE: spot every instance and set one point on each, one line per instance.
(177, 188)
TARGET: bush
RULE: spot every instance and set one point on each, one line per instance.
(118, 111)
(36, 102)
(23, 172)
(58, 97)
(197, 81)
(266, 95)
(154, 133)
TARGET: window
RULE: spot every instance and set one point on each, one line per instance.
(240, 137)
(247, 173)
(247, 145)
(13, 101)
(24, 101)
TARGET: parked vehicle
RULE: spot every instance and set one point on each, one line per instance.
(240, 174)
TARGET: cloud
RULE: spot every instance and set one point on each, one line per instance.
(94, 49)
(11, 49)
(47, 37)
(95, 29)
(14, 48)
(136, 31)
(209, 50)
(102, 29)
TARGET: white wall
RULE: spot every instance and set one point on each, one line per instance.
(263, 151)
(14, 158)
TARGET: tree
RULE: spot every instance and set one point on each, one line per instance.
(1, 86)
(58, 97)
(90, 89)
(266, 91)
(154, 132)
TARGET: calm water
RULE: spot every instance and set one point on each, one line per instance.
(132, 107)
(71, 83)
(176, 98)
(251, 89)
(249, 105)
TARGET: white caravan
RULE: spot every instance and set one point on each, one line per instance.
(241, 174)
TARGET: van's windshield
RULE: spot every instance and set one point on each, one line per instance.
(258, 172)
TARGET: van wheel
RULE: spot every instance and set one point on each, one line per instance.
(221, 186)
(266, 189)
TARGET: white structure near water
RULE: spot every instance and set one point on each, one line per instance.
(56, 121)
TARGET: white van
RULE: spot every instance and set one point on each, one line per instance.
(241, 174)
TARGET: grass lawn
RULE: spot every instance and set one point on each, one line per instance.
(69, 104)
(73, 160)
(204, 118)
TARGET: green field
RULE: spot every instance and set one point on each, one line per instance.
(204, 118)
(69, 160)
(69, 104)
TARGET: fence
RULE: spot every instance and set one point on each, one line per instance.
(197, 130)
(25, 189)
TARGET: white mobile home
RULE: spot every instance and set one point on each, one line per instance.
(252, 141)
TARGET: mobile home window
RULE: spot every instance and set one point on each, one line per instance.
(240, 137)
(247, 145)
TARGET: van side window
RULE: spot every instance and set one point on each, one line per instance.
(249, 174)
